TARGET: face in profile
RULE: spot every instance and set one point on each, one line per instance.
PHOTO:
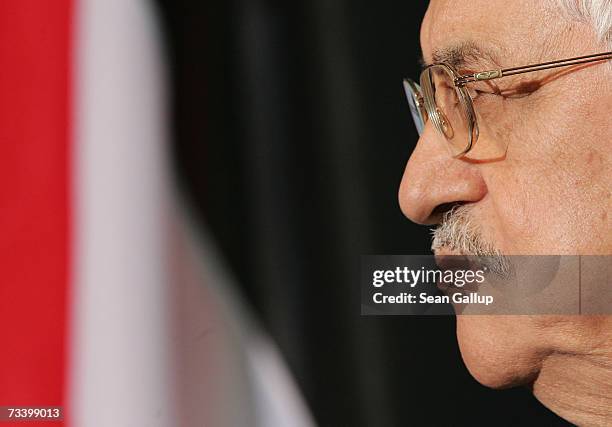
(537, 181)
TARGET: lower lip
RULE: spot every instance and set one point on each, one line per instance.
(448, 260)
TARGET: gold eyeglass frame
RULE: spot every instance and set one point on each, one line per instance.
(424, 100)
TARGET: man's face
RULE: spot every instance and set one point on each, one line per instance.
(551, 192)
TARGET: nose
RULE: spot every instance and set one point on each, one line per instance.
(433, 180)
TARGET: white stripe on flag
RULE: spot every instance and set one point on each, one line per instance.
(120, 354)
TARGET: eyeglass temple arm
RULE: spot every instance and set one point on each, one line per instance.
(495, 74)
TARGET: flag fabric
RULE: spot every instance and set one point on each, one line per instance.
(113, 302)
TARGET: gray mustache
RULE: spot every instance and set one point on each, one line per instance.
(459, 232)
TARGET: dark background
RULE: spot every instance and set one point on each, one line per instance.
(292, 133)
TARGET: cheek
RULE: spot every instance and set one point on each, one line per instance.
(523, 206)
(552, 204)
(589, 185)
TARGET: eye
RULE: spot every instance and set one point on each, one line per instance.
(476, 93)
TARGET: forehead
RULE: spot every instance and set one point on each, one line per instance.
(509, 31)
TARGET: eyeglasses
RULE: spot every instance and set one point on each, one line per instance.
(443, 98)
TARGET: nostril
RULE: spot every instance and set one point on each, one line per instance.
(438, 213)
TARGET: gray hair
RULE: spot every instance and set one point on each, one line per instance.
(597, 13)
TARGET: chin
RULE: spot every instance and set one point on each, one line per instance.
(500, 351)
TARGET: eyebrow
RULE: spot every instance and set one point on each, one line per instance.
(462, 55)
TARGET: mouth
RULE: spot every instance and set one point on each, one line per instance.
(454, 261)
(448, 259)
